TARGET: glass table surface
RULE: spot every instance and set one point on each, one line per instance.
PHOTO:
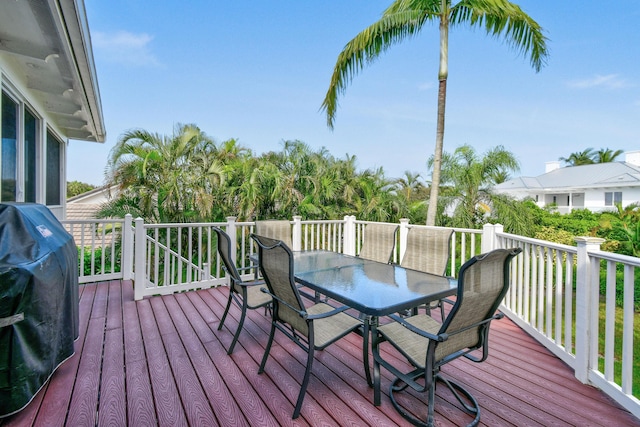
(373, 288)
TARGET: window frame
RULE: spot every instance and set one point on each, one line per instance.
(52, 135)
(36, 192)
(612, 198)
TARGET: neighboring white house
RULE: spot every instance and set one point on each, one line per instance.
(596, 187)
(49, 95)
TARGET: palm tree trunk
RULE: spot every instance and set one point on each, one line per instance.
(442, 97)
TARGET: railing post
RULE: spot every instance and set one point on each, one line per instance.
(587, 290)
(233, 236)
(404, 231)
(139, 262)
(349, 235)
(297, 233)
(127, 248)
(489, 237)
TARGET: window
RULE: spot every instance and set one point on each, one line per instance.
(9, 153)
(612, 198)
(54, 151)
(30, 147)
(21, 143)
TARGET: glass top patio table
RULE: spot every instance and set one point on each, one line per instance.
(372, 288)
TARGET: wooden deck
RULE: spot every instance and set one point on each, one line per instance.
(162, 361)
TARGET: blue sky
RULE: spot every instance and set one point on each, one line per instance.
(258, 71)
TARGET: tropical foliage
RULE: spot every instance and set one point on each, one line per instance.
(188, 177)
(589, 156)
(404, 19)
(76, 187)
(467, 180)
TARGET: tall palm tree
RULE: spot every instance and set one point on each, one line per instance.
(404, 19)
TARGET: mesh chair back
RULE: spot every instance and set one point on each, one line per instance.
(276, 265)
(428, 250)
(275, 229)
(483, 282)
(378, 242)
(224, 249)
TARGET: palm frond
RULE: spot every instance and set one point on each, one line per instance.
(366, 47)
(506, 19)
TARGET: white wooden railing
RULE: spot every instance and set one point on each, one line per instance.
(105, 248)
(556, 296)
(555, 290)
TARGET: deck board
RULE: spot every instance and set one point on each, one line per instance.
(162, 361)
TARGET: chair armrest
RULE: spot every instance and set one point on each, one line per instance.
(496, 316)
(251, 283)
(283, 302)
(250, 267)
(422, 333)
(327, 314)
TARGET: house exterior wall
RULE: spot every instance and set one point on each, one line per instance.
(49, 94)
(593, 199)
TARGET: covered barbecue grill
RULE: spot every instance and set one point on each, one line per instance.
(38, 301)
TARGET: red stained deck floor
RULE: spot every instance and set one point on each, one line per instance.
(162, 361)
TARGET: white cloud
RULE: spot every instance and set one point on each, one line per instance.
(124, 47)
(425, 86)
(610, 81)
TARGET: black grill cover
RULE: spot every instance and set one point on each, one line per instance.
(38, 301)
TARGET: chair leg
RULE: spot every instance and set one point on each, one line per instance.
(471, 405)
(305, 382)
(240, 324)
(430, 387)
(226, 310)
(268, 347)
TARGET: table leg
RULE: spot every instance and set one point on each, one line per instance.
(368, 323)
(376, 367)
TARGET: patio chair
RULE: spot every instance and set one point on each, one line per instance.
(378, 242)
(428, 250)
(246, 294)
(275, 229)
(428, 345)
(312, 328)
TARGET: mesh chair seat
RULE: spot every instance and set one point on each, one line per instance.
(327, 329)
(412, 345)
(256, 298)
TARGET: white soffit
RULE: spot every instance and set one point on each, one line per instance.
(48, 43)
